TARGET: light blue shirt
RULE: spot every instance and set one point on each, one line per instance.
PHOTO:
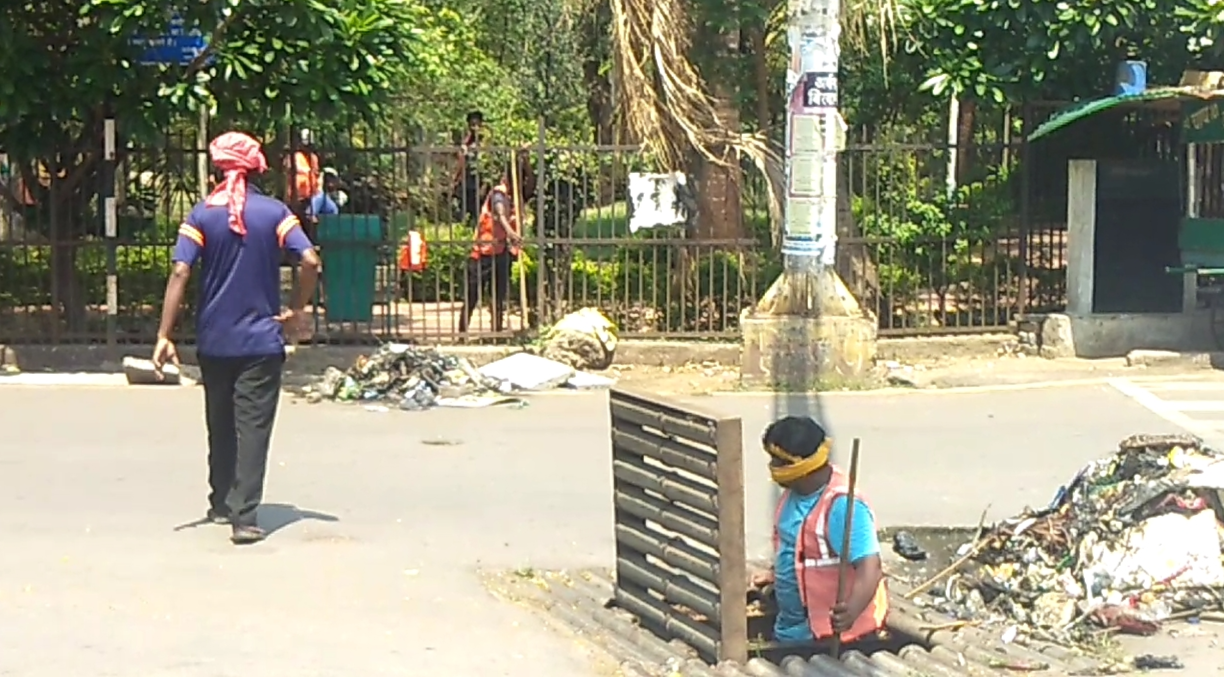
(322, 204)
(792, 622)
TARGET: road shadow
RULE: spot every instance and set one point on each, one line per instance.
(276, 516)
(272, 517)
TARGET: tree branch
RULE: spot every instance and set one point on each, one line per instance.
(82, 157)
(210, 47)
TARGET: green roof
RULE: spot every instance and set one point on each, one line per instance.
(1089, 108)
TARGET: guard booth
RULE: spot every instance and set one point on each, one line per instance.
(1142, 248)
(1201, 232)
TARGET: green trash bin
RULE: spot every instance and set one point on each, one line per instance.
(349, 245)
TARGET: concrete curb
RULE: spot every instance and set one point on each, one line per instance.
(649, 353)
(315, 358)
(1172, 358)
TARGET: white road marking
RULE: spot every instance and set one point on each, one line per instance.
(1175, 411)
(1190, 386)
(1196, 405)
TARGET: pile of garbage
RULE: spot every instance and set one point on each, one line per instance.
(1132, 541)
(412, 379)
(584, 339)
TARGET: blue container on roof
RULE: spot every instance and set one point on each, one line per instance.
(1131, 78)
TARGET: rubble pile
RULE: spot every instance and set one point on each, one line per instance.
(1133, 540)
(409, 378)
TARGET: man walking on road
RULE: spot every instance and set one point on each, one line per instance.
(238, 235)
(808, 542)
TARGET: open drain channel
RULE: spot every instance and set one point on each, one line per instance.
(919, 643)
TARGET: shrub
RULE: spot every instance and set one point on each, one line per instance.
(938, 243)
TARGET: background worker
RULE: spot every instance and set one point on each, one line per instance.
(497, 244)
(331, 197)
(808, 541)
(303, 181)
(465, 189)
(238, 234)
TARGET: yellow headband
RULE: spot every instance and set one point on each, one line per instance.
(797, 467)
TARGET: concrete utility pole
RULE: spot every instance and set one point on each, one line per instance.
(815, 133)
(808, 332)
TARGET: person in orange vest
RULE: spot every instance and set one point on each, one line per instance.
(496, 245)
(303, 181)
(808, 538)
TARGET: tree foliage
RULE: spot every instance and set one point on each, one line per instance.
(1012, 50)
(264, 58)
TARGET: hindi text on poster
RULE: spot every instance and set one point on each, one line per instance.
(819, 90)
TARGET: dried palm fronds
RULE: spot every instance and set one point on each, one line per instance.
(666, 103)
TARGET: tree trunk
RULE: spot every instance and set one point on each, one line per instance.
(600, 87)
(964, 141)
(720, 214)
(754, 36)
(66, 216)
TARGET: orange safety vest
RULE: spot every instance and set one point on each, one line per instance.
(414, 253)
(816, 569)
(490, 235)
(303, 179)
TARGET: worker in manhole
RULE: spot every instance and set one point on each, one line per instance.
(809, 532)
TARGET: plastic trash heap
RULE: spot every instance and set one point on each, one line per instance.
(406, 376)
(1131, 541)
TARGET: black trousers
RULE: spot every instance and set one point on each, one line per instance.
(490, 273)
(241, 395)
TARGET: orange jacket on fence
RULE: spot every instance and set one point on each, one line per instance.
(301, 176)
(413, 253)
(491, 237)
(816, 569)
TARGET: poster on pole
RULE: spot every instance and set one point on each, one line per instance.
(814, 133)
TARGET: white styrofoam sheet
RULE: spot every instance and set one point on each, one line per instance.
(529, 372)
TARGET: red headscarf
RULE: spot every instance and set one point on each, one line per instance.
(235, 154)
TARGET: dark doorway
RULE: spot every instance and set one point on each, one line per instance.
(1138, 208)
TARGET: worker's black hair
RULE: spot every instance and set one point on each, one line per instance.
(475, 116)
(797, 435)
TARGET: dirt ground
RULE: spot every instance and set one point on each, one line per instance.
(932, 373)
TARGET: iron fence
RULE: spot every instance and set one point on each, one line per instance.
(935, 237)
(578, 249)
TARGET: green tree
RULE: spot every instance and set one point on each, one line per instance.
(1050, 49)
(67, 66)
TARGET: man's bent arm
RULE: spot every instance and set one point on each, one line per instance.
(503, 217)
(868, 572)
(176, 289)
(308, 279)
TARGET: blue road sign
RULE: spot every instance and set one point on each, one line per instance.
(179, 46)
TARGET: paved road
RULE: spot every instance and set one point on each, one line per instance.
(384, 520)
(1194, 403)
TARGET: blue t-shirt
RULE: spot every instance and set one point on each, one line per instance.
(322, 205)
(791, 624)
(240, 277)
